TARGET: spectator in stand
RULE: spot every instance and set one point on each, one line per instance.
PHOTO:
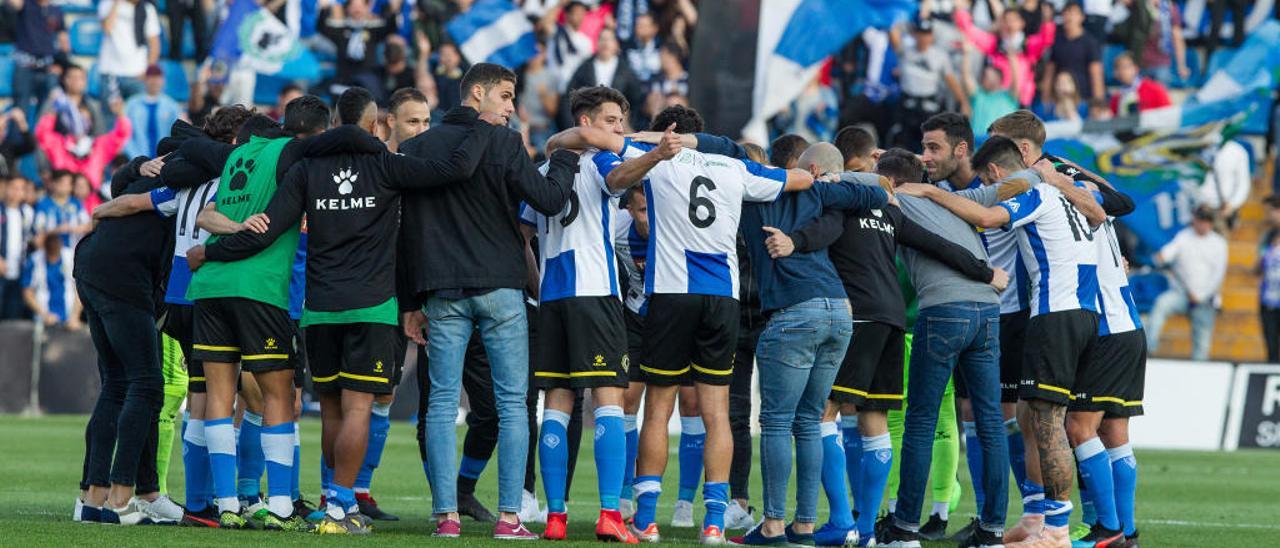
(606, 68)
(992, 98)
(192, 11)
(673, 79)
(83, 192)
(70, 101)
(16, 218)
(40, 35)
(1268, 271)
(84, 155)
(1153, 35)
(925, 75)
(1226, 186)
(538, 99)
(1096, 14)
(207, 91)
(151, 113)
(47, 287)
(1197, 261)
(1137, 93)
(287, 93)
(1217, 9)
(643, 48)
(1100, 110)
(677, 18)
(448, 76)
(15, 141)
(130, 44)
(356, 31)
(59, 212)
(1077, 53)
(1009, 48)
(397, 71)
(569, 46)
(1064, 102)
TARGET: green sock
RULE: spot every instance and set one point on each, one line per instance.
(175, 391)
(897, 421)
(946, 451)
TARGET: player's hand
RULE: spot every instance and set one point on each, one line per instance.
(493, 119)
(415, 326)
(50, 319)
(778, 243)
(670, 144)
(651, 137)
(116, 105)
(3, 267)
(195, 257)
(74, 324)
(256, 223)
(999, 279)
(914, 189)
(152, 167)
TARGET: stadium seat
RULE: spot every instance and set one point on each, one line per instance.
(94, 82)
(176, 84)
(267, 89)
(6, 76)
(188, 41)
(78, 7)
(6, 50)
(86, 36)
(1108, 55)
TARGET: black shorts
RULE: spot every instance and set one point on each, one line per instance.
(1053, 365)
(177, 323)
(582, 344)
(1106, 380)
(871, 375)
(690, 337)
(352, 356)
(1013, 336)
(257, 335)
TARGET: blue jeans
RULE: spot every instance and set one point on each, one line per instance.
(31, 83)
(799, 354)
(968, 335)
(503, 327)
(1202, 315)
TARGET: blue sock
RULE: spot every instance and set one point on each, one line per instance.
(379, 425)
(251, 463)
(1057, 513)
(833, 471)
(693, 438)
(553, 455)
(277, 449)
(633, 451)
(221, 437)
(296, 488)
(341, 498)
(877, 460)
(195, 463)
(1017, 451)
(471, 467)
(1124, 474)
(1095, 470)
(1032, 498)
(647, 489)
(973, 454)
(852, 453)
(715, 497)
(326, 477)
(611, 455)
(1088, 514)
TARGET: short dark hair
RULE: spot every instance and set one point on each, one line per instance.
(406, 95)
(1001, 151)
(955, 126)
(1020, 124)
(686, 119)
(226, 122)
(485, 75)
(1270, 201)
(1073, 4)
(855, 142)
(589, 100)
(900, 165)
(58, 174)
(259, 125)
(352, 104)
(289, 88)
(787, 149)
(306, 115)
(67, 68)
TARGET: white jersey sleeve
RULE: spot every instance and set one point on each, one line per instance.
(762, 183)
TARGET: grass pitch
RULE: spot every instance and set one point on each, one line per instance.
(1184, 498)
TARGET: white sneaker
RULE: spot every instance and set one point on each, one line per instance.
(164, 511)
(529, 508)
(736, 517)
(683, 515)
(77, 510)
(133, 513)
(627, 508)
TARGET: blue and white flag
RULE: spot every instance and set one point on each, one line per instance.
(253, 37)
(494, 31)
(794, 39)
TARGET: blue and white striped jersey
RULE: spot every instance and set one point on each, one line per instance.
(1058, 244)
(1117, 311)
(186, 205)
(631, 248)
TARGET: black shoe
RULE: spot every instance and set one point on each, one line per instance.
(897, 537)
(882, 524)
(204, 518)
(1101, 537)
(468, 505)
(1131, 541)
(982, 538)
(369, 508)
(934, 529)
(303, 507)
(966, 532)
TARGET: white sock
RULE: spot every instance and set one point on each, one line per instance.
(335, 511)
(942, 509)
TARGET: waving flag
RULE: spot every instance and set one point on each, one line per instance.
(494, 31)
(253, 37)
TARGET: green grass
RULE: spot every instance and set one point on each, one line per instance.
(1185, 498)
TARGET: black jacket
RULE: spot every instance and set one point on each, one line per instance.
(466, 236)
(624, 80)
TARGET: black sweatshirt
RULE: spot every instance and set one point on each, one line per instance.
(863, 248)
(352, 204)
(200, 158)
(466, 236)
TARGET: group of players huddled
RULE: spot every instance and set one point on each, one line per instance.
(615, 267)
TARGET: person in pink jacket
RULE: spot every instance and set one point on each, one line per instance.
(1009, 36)
(88, 156)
